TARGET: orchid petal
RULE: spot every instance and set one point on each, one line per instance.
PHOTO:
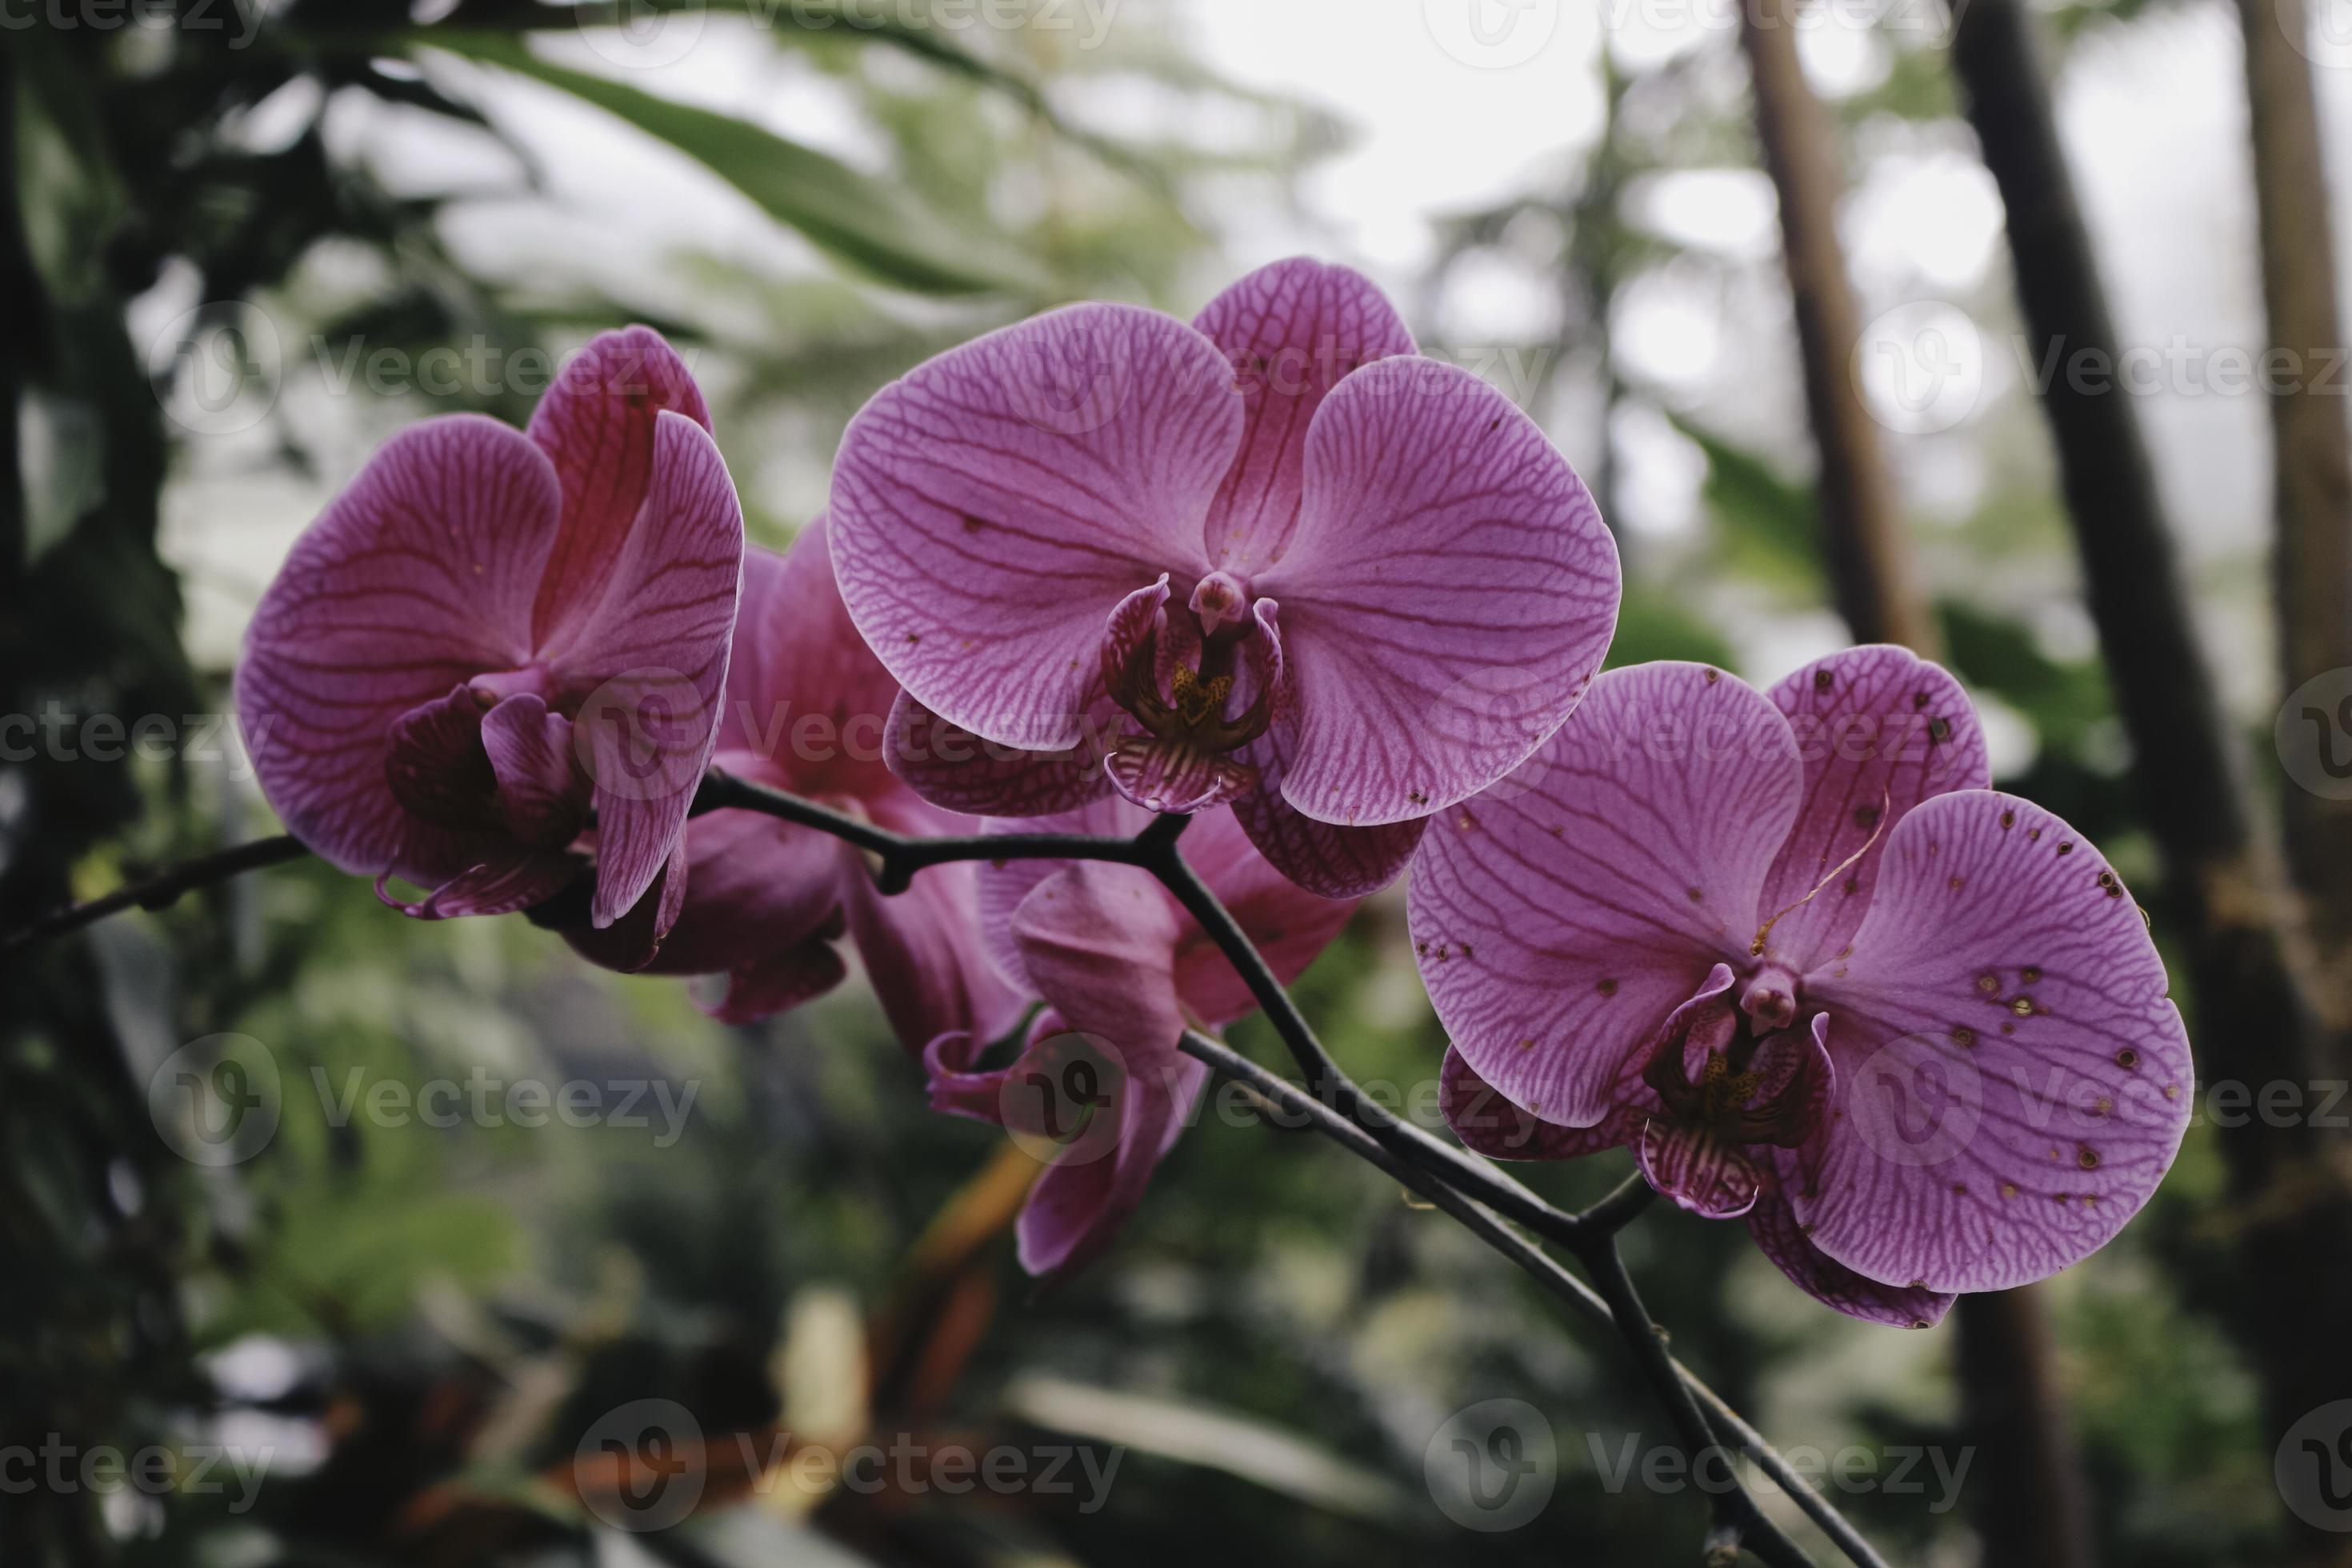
(808, 705)
(755, 887)
(1491, 1125)
(510, 880)
(596, 425)
(436, 765)
(779, 982)
(417, 577)
(1076, 1209)
(1288, 925)
(658, 644)
(1291, 331)
(1004, 884)
(1702, 1171)
(1175, 776)
(1320, 856)
(993, 505)
(1880, 730)
(541, 792)
(1562, 917)
(1447, 595)
(1774, 1226)
(951, 767)
(2014, 1082)
(922, 953)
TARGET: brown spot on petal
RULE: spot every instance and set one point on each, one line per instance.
(2008, 1189)
(2030, 973)
(1964, 1037)
(1959, 1189)
(2022, 1005)
(974, 524)
(1958, 884)
(2066, 849)
(1713, 676)
(1693, 894)
(2008, 819)
(1821, 681)
(2087, 1157)
(1466, 947)
(1939, 729)
(1528, 1043)
(1988, 983)
(2127, 1058)
(1865, 816)
(1607, 988)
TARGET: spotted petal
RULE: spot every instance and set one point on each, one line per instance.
(1775, 1227)
(417, 577)
(2013, 1079)
(991, 507)
(1446, 596)
(1880, 730)
(1559, 919)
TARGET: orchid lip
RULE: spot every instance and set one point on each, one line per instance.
(1191, 709)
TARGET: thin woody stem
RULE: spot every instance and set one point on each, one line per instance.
(1469, 1188)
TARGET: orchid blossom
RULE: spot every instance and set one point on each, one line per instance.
(1797, 954)
(1099, 1084)
(767, 900)
(1274, 559)
(489, 635)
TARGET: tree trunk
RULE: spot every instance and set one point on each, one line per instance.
(2312, 464)
(2292, 1219)
(2028, 1506)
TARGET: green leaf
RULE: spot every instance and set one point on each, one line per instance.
(862, 221)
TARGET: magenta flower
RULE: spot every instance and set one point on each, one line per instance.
(1100, 1087)
(767, 901)
(1274, 559)
(1797, 956)
(489, 634)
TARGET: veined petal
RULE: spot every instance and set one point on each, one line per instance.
(1289, 925)
(778, 983)
(1489, 1124)
(541, 792)
(1321, 857)
(437, 766)
(1701, 1171)
(1446, 597)
(755, 887)
(805, 696)
(1003, 885)
(1171, 775)
(2013, 1079)
(951, 767)
(1881, 729)
(1076, 1209)
(1098, 943)
(596, 425)
(922, 951)
(1291, 331)
(657, 647)
(418, 576)
(508, 879)
(991, 507)
(1559, 919)
(1776, 1229)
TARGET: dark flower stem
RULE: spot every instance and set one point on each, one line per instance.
(1469, 1188)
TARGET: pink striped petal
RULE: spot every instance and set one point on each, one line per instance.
(1774, 1226)
(510, 879)
(922, 953)
(1491, 1125)
(779, 982)
(755, 887)
(656, 649)
(596, 425)
(1289, 925)
(542, 795)
(1562, 917)
(1320, 856)
(1004, 884)
(1098, 943)
(436, 764)
(1291, 331)
(1171, 776)
(2014, 1080)
(416, 578)
(1446, 596)
(991, 508)
(806, 699)
(951, 767)
(1880, 730)
(1708, 1176)
(1076, 1209)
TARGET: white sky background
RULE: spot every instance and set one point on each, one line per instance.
(1456, 103)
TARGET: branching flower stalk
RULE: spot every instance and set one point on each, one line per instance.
(1499, 1211)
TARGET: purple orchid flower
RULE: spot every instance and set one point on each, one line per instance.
(489, 634)
(1100, 1088)
(1797, 956)
(767, 901)
(1274, 559)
